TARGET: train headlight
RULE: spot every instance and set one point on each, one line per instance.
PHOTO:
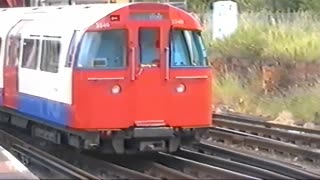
(116, 89)
(181, 88)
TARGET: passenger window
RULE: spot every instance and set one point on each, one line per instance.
(149, 46)
(50, 56)
(106, 49)
(30, 53)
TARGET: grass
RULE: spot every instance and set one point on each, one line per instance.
(270, 42)
(304, 104)
(294, 38)
(280, 41)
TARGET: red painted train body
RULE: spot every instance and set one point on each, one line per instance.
(119, 77)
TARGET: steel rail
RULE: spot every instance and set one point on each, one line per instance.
(257, 161)
(199, 169)
(235, 137)
(164, 172)
(35, 156)
(303, 139)
(226, 163)
(147, 165)
(257, 120)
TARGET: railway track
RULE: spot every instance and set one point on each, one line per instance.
(30, 155)
(264, 144)
(210, 163)
(268, 129)
(250, 164)
(184, 164)
(199, 170)
(244, 132)
(65, 170)
(66, 163)
(60, 162)
(169, 166)
(302, 137)
(229, 164)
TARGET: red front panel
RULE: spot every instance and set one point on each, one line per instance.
(148, 84)
(95, 106)
(191, 108)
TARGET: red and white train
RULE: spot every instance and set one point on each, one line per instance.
(116, 78)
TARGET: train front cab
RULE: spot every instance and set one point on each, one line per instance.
(141, 73)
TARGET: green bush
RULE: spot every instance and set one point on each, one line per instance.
(247, 41)
(292, 45)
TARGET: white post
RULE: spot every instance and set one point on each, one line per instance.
(224, 18)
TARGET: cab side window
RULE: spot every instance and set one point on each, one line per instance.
(187, 49)
(50, 56)
(179, 50)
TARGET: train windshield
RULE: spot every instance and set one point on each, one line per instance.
(106, 49)
(187, 49)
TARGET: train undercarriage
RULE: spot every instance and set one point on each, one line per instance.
(129, 141)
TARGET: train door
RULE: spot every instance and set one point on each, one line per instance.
(149, 73)
(11, 65)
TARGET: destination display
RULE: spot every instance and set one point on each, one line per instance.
(147, 16)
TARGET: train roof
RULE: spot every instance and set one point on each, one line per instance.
(57, 20)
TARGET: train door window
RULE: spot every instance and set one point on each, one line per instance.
(149, 46)
(30, 53)
(13, 51)
(50, 56)
(107, 49)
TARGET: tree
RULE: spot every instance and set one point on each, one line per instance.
(313, 5)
